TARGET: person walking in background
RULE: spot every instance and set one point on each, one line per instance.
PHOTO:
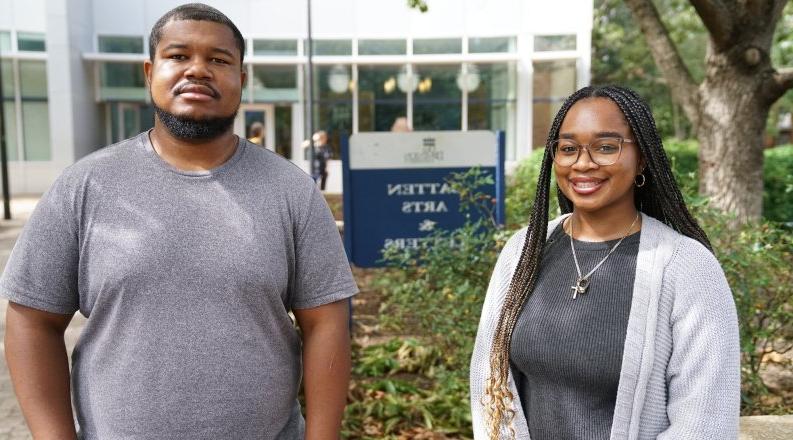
(186, 248)
(614, 320)
(322, 154)
(257, 134)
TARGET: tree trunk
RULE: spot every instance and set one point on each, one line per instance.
(728, 110)
(732, 116)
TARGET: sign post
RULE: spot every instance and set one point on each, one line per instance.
(395, 189)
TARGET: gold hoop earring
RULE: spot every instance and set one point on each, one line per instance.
(644, 180)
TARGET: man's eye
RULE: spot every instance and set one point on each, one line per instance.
(219, 61)
(178, 57)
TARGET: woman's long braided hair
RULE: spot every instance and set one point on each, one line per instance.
(659, 197)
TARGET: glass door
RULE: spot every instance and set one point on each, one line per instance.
(127, 119)
(256, 122)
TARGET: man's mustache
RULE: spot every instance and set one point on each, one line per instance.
(197, 86)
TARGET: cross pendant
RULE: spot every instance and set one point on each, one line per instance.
(580, 287)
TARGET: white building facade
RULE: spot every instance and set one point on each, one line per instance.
(73, 82)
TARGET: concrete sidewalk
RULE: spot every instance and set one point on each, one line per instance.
(12, 424)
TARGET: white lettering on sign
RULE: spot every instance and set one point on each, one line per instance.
(417, 242)
(420, 207)
(402, 243)
(418, 189)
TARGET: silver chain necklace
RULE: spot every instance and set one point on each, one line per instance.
(582, 283)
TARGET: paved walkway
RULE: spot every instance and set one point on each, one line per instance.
(12, 424)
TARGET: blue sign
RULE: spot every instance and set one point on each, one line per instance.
(395, 189)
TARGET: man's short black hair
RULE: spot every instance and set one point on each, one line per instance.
(198, 12)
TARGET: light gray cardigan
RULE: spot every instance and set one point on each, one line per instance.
(680, 376)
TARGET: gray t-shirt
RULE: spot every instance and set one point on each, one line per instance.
(186, 279)
(566, 354)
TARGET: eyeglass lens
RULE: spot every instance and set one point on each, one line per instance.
(604, 151)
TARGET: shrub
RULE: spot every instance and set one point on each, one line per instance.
(683, 158)
(419, 386)
(522, 186)
(778, 184)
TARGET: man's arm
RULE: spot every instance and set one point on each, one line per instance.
(39, 367)
(326, 366)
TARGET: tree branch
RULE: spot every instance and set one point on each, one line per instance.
(717, 20)
(684, 89)
(776, 83)
(784, 78)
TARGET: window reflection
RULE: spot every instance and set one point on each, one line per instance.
(492, 105)
(35, 110)
(122, 81)
(333, 103)
(115, 44)
(553, 82)
(437, 102)
(274, 83)
(380, 100)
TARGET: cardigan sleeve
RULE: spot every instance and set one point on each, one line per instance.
(703, 375)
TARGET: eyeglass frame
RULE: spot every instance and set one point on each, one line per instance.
(555, 143)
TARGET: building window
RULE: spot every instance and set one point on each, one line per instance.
(437, 101)
(491, 106)
(122, 82)
(330, 47)
(5, 41)
(554, 81)
(333, 103)
(437, 46)
(31, 42)
(117, 44)
(275, 47)
(283, 130)
(275, 83)
(129, 119)
(547, 43)
(380, 99)
(35, 110)
(382, 47)
(9, 108)
(492, 45)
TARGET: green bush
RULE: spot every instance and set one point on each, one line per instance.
(778, 184)
(416, 387)
(757, 259)
(777, 176)
(522, 186)
(685, 163)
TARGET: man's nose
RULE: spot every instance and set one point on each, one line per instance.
(199, 68)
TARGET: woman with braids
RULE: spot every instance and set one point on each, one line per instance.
(615, 320)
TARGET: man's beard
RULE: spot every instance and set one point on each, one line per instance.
(194, 129)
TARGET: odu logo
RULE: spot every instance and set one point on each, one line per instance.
(428, 153)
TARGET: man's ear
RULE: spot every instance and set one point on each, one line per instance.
(147, 69)
(243, 76)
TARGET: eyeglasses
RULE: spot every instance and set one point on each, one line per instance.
(602, 151)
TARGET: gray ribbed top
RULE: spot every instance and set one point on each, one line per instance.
(567, 354)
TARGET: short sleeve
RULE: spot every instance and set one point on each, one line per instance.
(41, 271)
(322, 272)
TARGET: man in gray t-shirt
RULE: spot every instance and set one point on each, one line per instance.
(186, 248)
